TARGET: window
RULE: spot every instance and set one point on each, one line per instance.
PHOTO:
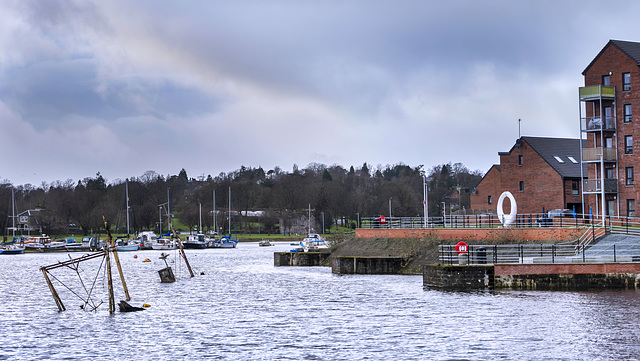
(631, 207)
(558, 159)
(606, 80)
(629, 173)
(608, 173)
(608, 142)
(626, 81)
(575, 187)
(520, 160)
(521, 186)
(628, 144)
(627, 113)
(572, 159)
(489, 199)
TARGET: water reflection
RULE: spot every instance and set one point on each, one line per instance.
(245, 308)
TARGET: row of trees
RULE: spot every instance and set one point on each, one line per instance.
(332, 191)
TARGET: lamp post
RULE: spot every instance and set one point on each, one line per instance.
(425, 199)
(322, 223)
(444, 215)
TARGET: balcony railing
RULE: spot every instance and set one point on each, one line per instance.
(596, 123)
(596, 91)
(595, 154)
(595, 185)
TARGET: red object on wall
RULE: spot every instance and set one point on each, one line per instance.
(461, 247)
(383, 220)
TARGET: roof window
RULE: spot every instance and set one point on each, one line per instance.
(572, 159)
(558, 159)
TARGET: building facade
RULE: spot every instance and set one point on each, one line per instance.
(542, 174)
(609, 107)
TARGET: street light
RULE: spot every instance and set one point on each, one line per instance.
(322, 223)
(425, 191)
(444, 215)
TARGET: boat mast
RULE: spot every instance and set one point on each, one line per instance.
(127, 195)
(308, 233)
(215, 225)
(13, 211)
(200, 224)
(229, 212)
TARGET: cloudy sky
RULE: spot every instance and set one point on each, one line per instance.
(124, 87)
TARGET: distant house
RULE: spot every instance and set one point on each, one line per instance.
(541, 173)
(29, 221)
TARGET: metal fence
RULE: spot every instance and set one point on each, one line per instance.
(626, 225)
(533, 253)
(473, 221)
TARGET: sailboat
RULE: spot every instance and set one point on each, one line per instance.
(313, 241)
(124, 245)
(197, 241)
(12, 248)
(226, 241)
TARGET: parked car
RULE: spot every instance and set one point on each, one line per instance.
(560, 213)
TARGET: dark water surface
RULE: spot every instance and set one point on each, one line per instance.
(245, 308)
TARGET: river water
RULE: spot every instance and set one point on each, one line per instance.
(239, 306)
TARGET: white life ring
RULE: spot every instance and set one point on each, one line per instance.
(511, 217)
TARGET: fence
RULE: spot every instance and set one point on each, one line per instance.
(532, 253)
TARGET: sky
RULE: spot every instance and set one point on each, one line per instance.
(127, 87)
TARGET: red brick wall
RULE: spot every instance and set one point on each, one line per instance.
(489, 186)
(543, 186)
(615, 61)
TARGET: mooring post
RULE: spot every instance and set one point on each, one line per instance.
(54, 293)
(112, 301)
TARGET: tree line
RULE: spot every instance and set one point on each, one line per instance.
(333, 193)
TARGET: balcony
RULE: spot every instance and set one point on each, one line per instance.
(594, 154)
(595, 92)
(592, 124)
(594, 186)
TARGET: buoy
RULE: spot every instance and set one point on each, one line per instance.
(146, 305)
(146, 260)
(135, 256)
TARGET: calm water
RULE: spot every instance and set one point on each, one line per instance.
(245, 308)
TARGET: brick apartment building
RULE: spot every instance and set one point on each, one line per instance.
(609, 107)
(541, 173)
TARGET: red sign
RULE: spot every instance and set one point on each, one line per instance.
(383, 220)
(462, 247)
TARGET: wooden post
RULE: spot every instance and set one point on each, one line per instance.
(53, 291)
(184, 256)
(115, 256)
(112, 302)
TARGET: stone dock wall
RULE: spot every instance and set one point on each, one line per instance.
(567, 277)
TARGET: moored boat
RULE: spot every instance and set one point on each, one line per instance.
(265, 243)
(123, 245)
(198, 241)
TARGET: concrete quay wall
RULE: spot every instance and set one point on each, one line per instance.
(299, 258)
(566, 277)
(367, 265)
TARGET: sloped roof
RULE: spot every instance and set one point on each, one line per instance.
(630, 48)
(556, 152)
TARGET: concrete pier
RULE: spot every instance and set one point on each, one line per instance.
(560, 277)
(299, 258)
(367, 265)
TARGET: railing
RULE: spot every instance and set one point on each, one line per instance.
(473, 221)
(596, 123)
(595, 185)
(532, 254)
(595, 154)
(596, 91)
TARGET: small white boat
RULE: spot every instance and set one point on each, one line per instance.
(163, 244)
(314, 242)
(225, 242)
(265, 243)
(11, 249)
(123, 245)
